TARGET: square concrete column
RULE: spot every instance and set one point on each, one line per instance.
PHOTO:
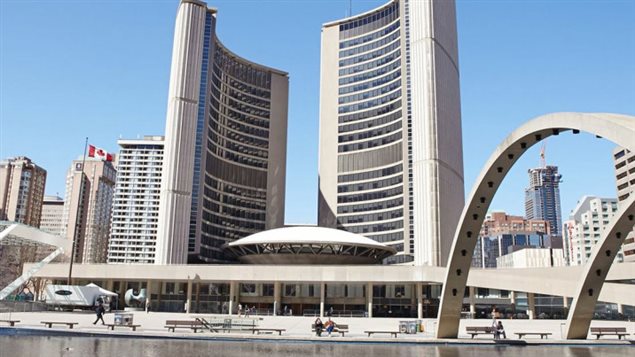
(419, 292)
(472, 300)
(620, 309)
(277, 294)
(531, 306)
(233, 287)
(369, 299)
(148, 291)
(322, 297)
(565, 302)
(188, 302)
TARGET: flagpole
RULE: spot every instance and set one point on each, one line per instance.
(77, 218)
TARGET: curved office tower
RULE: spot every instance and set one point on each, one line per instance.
(225, 145)
(391, 165)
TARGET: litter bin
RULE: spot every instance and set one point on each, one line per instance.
(412, 327)
(123, 319)
(403, 326)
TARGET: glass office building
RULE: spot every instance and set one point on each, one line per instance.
(390, 165)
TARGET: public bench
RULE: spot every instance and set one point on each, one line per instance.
(10, 322)
(112, 326)
(339, 328)
(541, 334)
(259, 330)
(194, 325)
(393, 333)
(609, 331)
(50, 324)
(479, 330)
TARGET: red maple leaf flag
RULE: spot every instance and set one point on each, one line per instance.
(99, 153)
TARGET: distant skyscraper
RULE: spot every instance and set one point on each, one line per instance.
(624, 161)
(87, 208)
(135, 212)
(21, 191)
(52, 214)
(588, 220)
(542, 197)
(225, 144)
(502, 234)
(391, 158)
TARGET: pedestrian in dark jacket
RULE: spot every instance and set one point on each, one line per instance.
(100, 314)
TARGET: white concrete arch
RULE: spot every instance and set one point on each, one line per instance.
(617, 128)
(596, 269)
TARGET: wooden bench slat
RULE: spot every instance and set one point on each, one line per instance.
(10, 322)
(112, 326)
(609, 331)
(50, 324)
(393, 333)
(479, 330)
(541, 334)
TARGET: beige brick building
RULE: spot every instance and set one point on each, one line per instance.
(21, 191)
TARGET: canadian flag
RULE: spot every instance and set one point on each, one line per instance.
(99, 153)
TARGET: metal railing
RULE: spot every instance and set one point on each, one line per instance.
(8, 306)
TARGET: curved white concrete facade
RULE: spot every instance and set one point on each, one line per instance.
(180, 134)
(390, 165)
(619, 129)
(225, 145)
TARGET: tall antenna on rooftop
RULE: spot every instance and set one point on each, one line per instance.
(350, 7)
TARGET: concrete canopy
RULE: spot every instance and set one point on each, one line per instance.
(617, 128)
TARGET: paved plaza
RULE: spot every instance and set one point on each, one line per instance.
(299, 328)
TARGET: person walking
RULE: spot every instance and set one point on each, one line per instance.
(100, 314)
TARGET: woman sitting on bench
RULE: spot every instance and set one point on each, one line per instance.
(500, 330)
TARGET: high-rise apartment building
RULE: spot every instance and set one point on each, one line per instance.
(624, 161)
(87, 208)
(21, 191)
(52, 215)
(225, 144)
(135, 212)
(391, 156)
(502, 234)
(588, 220)
(542, 197)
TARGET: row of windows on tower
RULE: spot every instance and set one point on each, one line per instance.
(371, 74)
(372, 64)
(370, 84)
(374, 206)
(370, 55)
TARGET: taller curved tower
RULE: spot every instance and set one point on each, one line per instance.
(391, 157)
(223, 175)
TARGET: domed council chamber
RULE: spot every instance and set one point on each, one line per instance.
(308, 245)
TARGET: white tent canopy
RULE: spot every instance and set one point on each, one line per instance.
(102, 290)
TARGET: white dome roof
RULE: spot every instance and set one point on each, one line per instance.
(308, 234)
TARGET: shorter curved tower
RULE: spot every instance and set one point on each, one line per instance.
(225, 145)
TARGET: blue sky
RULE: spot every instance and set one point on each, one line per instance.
(71, 69)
